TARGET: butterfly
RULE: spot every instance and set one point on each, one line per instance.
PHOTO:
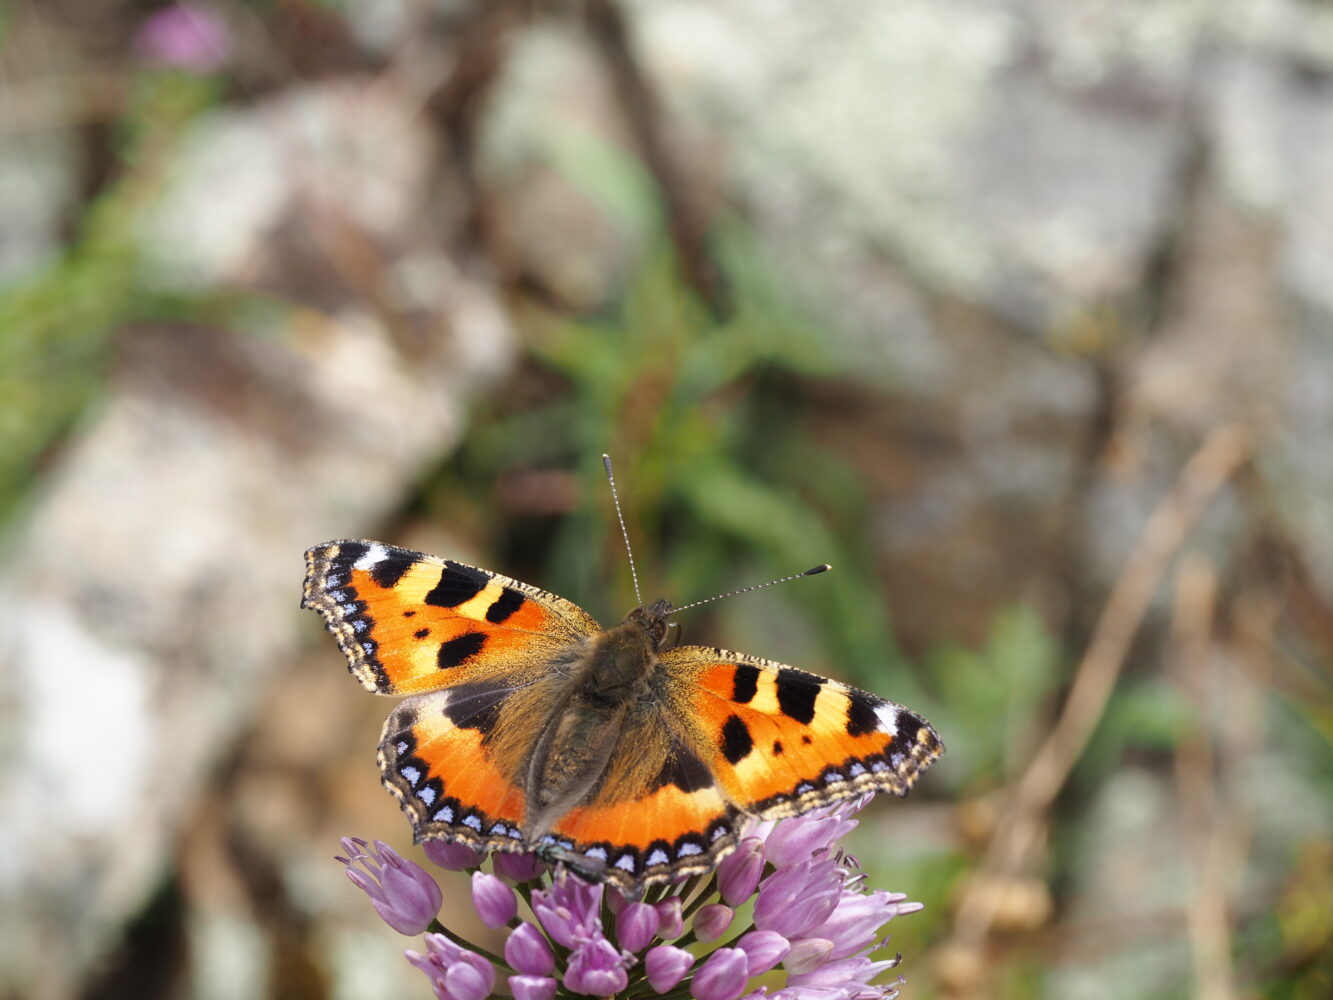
(528, 727)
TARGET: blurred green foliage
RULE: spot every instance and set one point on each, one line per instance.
(56, 325)
(722, 482)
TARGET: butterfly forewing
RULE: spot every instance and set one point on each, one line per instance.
(785, 741)
(410, 622)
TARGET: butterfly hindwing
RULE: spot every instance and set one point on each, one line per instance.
(455, 758)
(436, 758)
(658, 812)
(784, 741)
(410, 622)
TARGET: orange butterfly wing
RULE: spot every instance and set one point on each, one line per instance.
(410, 622)
(783, 741)
(659, 812)
(474, 649)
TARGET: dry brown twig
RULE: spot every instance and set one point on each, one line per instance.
(1222, 453)
(1204, 836)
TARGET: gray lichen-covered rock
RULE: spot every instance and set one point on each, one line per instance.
(153, 589)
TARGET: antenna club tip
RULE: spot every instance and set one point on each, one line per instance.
(818, 569)
(606, 459)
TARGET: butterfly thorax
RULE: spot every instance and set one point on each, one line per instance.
(609, 678)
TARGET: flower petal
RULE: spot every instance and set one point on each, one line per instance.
(723, 976)
(452, 856)
(495, 902)
(666, 965)
(527, 951)
(636, 926)
(764, 949)
(532, 987)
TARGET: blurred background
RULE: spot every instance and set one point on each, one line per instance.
(1018, 313)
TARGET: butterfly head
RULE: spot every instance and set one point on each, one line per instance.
(653, 619)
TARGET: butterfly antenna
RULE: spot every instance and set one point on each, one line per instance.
(757, 586)
(606, 462)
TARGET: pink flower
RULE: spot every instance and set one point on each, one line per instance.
(570, 911)
(739, 871)
(763, 949)
(452, 856)
(402, 892)
(665, 966)
(517, 867)
(811, 913)
(723, 976)
(792, 901)
(495, 902)
(532, 987)
(636, 925)
(672, 924)
(454, 972)
(186, 36)
(712, 921)
(596, 969)
(527, 951)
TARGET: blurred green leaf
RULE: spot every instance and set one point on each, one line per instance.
(55, 325)
(992, 697)
(1144, 713)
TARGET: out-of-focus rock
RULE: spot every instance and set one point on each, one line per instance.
(153, 588)
(976, 142)
(1030, 220)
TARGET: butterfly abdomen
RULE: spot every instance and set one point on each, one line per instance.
(581, 730)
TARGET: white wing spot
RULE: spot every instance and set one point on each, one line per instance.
(375, 554)
(427, 795)
(445, 815)
(472, 821)
(857, 770)
(690, 848)
(500, 828)
(877, 766)
(400, 746)
(833, 777)
(626, 863)
(411, 774)
(598, 853)
(658, 857)
(888, 719)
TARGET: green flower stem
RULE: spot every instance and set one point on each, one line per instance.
(709, 890)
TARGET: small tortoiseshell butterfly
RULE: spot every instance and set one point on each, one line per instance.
(529, 727)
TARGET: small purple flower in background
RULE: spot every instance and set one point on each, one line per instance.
(186, 36)
(812, 917)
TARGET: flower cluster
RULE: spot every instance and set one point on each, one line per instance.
(811, 913)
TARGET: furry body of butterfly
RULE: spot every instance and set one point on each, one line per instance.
(528, 727)
(608, 683)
